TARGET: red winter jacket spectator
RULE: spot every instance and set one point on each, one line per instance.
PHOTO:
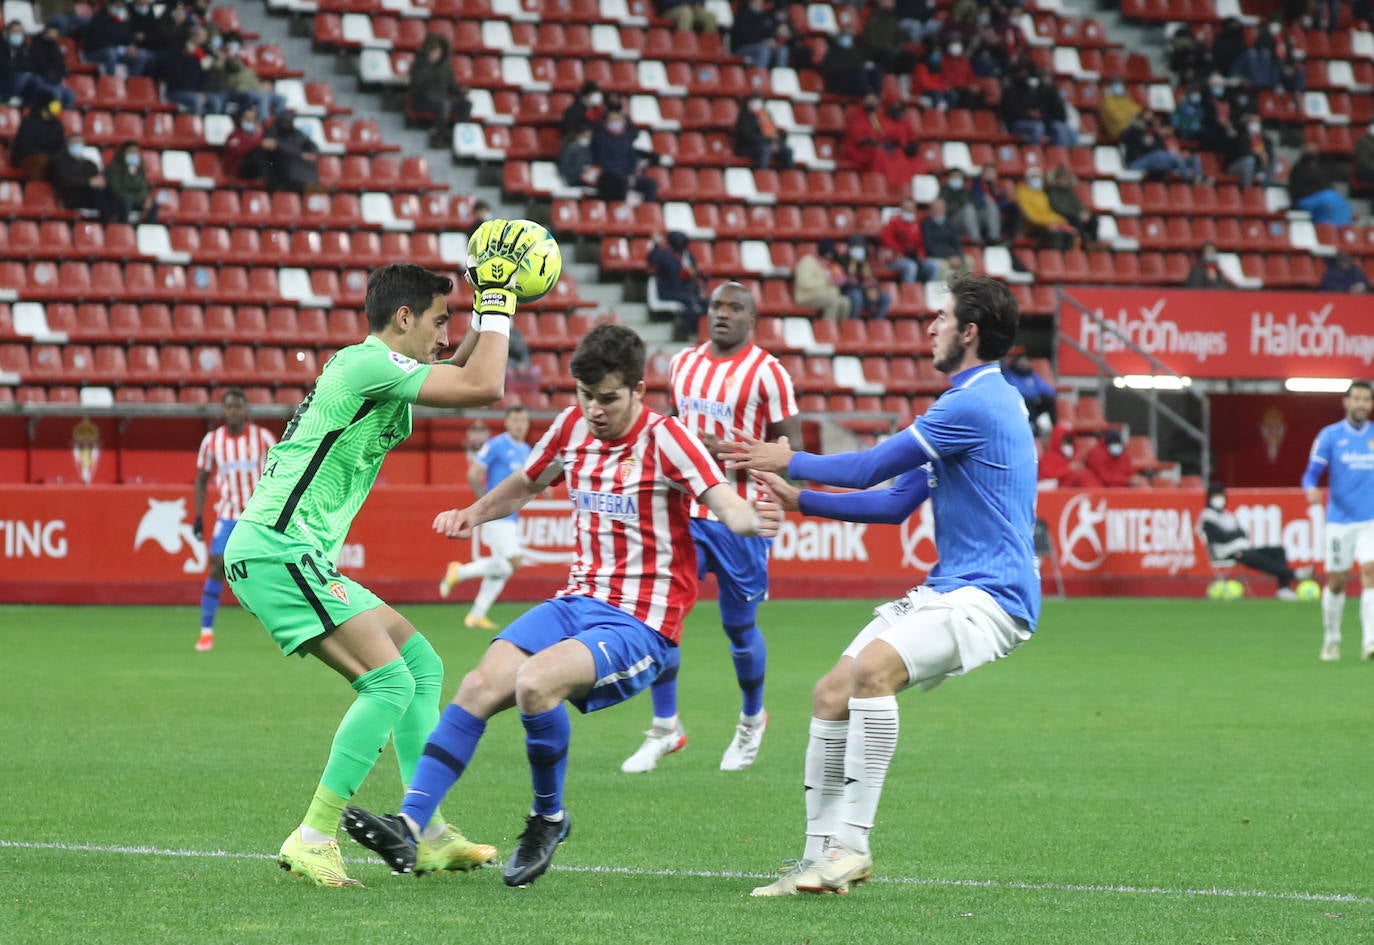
(902, 237)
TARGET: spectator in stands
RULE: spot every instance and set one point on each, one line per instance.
(1038, 393)
(39, 138)
(997, 44)
(575, 163)
(1043, 224)
(1362, 170)
(434, 98)
(243, 155)
(1258, 67)
(1034, 111)
(884, 42)
(904, 247)
(49, 59)
(919, 20)
(1108, 461)
(68, 17)
(997, 210)
(1059, 464)
(242, 88)
(688, 15)
(185, 73)
(963, 210)
(1309, 188)
(799, 54)
(867, 134)
(867, 298)
(481, 212)
(585, 111)
(1228, 45)
(1226, 541)
(900, 159)
(290, 158)
(1292, 67)
(1149, 148)
(1116, 111)
(21, 74)
(1248, 153)
(1189, 59)
(817, 280)
(127, 181)
(80, 185)
(108, 41)
(1205, 272)
(930, 85)
(942, 242)
(758, 139)
(678, 279)
(1189, 116)
(1064, 200)
(846, 71)
(957, 69)
(613, 151)
(754, 36)
(1345, 276)
(149, 27)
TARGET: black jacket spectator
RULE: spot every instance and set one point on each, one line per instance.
(1228, 46)
(940, 238)
(1307, 177)
(105, 30)
(184, 71)
(585, 111)
(434, 89)
(575, 156)
(48, 59)
(14, 60)
(752, 26)
(289, 162)
(677, 279)
(40, 135)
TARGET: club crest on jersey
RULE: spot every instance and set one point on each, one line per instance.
(404, 363)
(339, 591)
(610, 504)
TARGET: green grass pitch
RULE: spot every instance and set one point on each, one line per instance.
(1161, 772)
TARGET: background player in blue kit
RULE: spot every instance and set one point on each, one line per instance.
(498, 458)
(973, 455)
(1345, 452)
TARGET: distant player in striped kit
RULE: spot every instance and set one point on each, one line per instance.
(632, 475)
(233, 454)
(728, 383)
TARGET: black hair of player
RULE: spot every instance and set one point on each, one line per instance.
(401, 285)
(515, 408)
(986, 302)
(232, 392)
(1362, 385)
(608, 349)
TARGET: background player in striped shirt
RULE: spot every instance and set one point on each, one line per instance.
(631, 474)
(973, 455)
(1345, 452)
(727, 383)
(497, 458)
(233, 454)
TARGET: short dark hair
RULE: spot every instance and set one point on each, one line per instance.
(986, 302)
(609, 348)
(1364, 385)
(515, 408)
(401, 285)
(233, 392)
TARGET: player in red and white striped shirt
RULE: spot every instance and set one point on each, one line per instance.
(632, 474)
(726, 384)
(233, 454)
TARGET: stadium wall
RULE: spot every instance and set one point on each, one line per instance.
(134, 544)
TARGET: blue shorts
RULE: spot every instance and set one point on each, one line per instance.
(223, 528)
(740, 565)
(628, 653)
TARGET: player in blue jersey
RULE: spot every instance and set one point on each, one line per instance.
(973, 455)
(497, 459)
(1345, 452)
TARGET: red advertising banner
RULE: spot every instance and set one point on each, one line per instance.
(133, 544)
(1220, 334)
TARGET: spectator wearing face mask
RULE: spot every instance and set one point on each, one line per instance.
(108, 41)
(80, 185)
(1108, 461)
(757, 137)
(1362, 168)
(881, 140)
(957, 69)
(127, 181)
(21, 73)
(1258, 67)
(930, 85)
(754, 36)
(677, 279)
(575, 162)
(817, 281)
(1038, 393)
(242, 87)
(1189, 116)
(1227, 541)
(973, 224)
(1309, 188)
(1189, 59)
(1033, 113)
(242, 154)
(942, 242)
(846, 71)
(904, 247)
(1116, 110)
(998, 213)
(185, 73)
(613, 151)
(1059, 464)
(585, 111)
(1344, 275)
(1042, 222)
(867, 298)
(1205, 272)
(1248, 153)
(1149, 149)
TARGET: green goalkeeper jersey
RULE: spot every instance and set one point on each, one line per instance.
(316, 478)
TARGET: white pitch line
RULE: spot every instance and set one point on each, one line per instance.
(1215, 892)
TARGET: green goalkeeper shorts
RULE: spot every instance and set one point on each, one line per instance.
(290, 586)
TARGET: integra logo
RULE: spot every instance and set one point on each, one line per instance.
(610, 504)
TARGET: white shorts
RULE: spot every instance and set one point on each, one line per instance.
(1348, 543)
(502, 537)
(939, 635)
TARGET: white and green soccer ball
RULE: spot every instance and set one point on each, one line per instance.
(1224, 589)
(1309, 590)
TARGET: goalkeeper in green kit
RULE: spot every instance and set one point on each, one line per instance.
(280, 559)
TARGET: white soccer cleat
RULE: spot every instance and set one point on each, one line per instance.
(1286, 593)
(786, 884)
(837, 870)
(1332, 652)
(744, 747)
(658, 742)
(1367, 653)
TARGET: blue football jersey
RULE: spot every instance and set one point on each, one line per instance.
(982, 490)
(1346, 452)
(502, 455)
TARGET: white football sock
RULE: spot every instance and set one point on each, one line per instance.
(486, 596)
(1367, 616)
(873, 728)
(485, 568)
(823, 780)
(1333, 608)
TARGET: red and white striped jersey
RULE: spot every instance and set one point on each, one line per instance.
(745, 391)
(236, 463)
(630, 502)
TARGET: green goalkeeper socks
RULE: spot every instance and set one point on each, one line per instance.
(422, 715)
